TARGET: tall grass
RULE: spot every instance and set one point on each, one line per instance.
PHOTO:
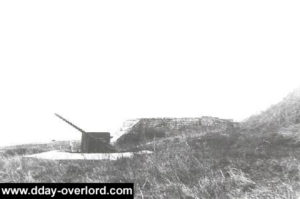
(217, 166)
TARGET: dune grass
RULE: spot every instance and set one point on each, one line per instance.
(234, 165)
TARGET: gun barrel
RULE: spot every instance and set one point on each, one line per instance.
(70, 123)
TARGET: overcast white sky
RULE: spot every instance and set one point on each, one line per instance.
(100, 62)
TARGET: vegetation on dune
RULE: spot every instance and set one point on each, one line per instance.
(235, 165)
(283, 114)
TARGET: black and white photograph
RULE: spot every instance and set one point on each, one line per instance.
(160, 99)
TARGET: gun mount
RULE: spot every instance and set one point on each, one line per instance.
(92, 142)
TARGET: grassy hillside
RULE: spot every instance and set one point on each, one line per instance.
(233, 165)
(283, 114)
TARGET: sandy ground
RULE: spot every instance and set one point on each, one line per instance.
(59, 155)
